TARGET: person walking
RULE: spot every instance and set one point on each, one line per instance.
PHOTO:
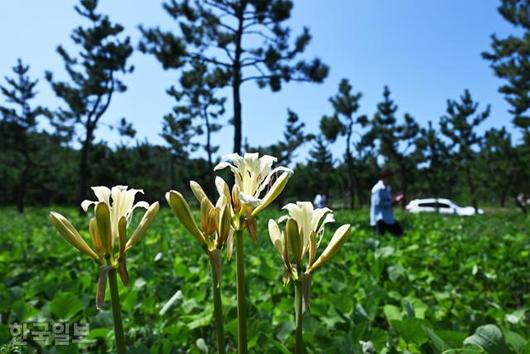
(381, 203)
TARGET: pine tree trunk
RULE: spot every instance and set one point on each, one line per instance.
(471, 187)
(23, 182)
(22, 187)
(349, 166)
(211, 183)
(236, 79)
(83, 169)
(172, 177)
(404, 186)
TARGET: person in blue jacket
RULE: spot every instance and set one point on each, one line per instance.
(381, 203)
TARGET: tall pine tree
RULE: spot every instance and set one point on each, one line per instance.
(434, 153)
(94, 78)
(345, 104)
(394, 139)
(510, 59)
(197, 99)
(20, 121)
(460, 124)
(294, 136)
(246, 40)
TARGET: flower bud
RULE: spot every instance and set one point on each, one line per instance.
(144, 224)
(236, 201)
(181, 209)
(105, 231)
(224, 225)
(198, 192)
(96, 238)
(274, 192)
(339, 237)
(70, 234)
(294, 240)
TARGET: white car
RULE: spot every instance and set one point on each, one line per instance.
(440, 205)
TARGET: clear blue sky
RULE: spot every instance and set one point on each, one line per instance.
(426, 51)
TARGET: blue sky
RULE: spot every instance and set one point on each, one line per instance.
(426, 51)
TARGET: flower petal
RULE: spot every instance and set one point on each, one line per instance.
(85, 204)
(249, 200)
(102, 193)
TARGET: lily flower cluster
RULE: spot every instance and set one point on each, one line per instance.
(215, 220)
(113, 211)
(256, 186)
(301, 237)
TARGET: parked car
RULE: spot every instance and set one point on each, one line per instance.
(440, 205)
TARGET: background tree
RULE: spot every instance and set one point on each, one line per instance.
(178, 132)
(294, 136)
(321, 167)
(459, 124)
(246, 40)
(498, 165)
(197, 99)
(434, 153)
(20, 120)
(345, 104)
(510, 61)
(93, 79)
(394, 140)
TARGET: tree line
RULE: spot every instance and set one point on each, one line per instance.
(225, 44)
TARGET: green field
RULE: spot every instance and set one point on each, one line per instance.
(424, 293)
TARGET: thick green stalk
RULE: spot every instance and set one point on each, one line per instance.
(218, 308)
(241, 301)
(116, 312)
(298, 313)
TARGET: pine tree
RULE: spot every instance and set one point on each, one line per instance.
(342, 122)
(178, 131)
(433, 151)
(197, 99)
(294, 136)
(510, 61)
(394, 139)
(244, 40)
(20, 121)
(93, 79)
(322, 165)
(459, 124)
(498, 169)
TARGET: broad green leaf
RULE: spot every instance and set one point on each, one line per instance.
(490, 338)
(65, 305)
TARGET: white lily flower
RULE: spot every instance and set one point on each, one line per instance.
(109, 223)
(310, 222)
(254, 177)
(305, 238)
(122, 204)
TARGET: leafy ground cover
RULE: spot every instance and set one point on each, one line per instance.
(450, 281)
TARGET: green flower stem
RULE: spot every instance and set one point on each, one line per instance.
(218, 309)
(241, 303)
(116, 311)
(298, 312)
